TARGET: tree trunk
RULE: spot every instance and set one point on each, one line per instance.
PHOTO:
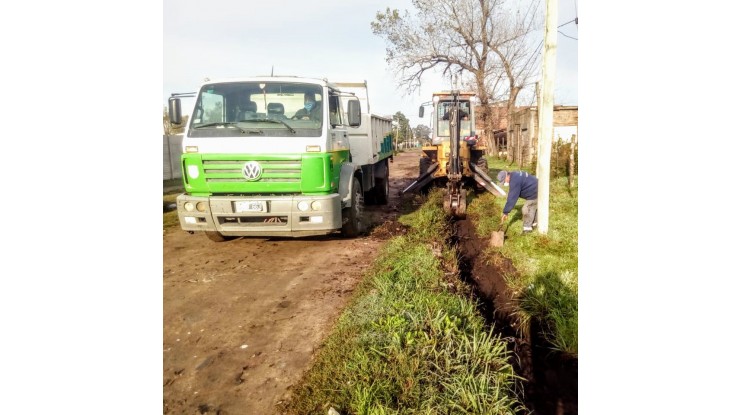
(557, 156)
(511, 142)
(510, 108)
(486, 114)
(487, 121)
(572, 159)
(490, 139)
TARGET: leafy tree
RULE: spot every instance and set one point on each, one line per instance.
(421, 132)
(400, 127)
(483, 41)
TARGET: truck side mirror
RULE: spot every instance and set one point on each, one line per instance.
(421, 111)
(175, 110)
(353, 113)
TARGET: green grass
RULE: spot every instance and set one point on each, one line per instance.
(547, 265)
(411, 340)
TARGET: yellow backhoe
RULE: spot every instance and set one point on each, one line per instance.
(455, 159)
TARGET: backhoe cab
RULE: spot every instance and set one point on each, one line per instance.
(455, 159)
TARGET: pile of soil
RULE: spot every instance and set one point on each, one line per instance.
(388, 230)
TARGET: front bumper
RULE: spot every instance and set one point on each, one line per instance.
(281, 217)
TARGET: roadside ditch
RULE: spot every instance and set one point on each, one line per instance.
(551, 385)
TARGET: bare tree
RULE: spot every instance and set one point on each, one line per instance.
(483, 41)
(172, 129)
(166, 124)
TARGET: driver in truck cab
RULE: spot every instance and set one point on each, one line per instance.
(311, 109)
(461, 115)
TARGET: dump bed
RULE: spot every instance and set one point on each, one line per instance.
(372, 140)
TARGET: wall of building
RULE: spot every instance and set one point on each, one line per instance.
(524, 132)
(172, 150)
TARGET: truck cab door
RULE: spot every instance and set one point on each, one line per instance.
(338, 138)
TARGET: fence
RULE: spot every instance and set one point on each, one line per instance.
(560, 163)
(560, 156)
(172, 151)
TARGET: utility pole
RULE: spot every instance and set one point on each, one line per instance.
(538, 92)
(545, 117)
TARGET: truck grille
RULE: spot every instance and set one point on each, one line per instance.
(230, 171)
(253, 220)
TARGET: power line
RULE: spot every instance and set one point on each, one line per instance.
(571, 21)
(567, 35)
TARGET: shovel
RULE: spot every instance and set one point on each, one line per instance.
(497, 237)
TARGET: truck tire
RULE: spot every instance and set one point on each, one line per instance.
(352, 220)
(482, 163)
(369, 198)
(424, 164)
(216, 236)
(381, 189)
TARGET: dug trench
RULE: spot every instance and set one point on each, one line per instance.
(550, 378)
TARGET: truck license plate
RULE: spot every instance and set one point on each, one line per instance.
(251, 206)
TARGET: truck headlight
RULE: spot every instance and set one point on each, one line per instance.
(303, 206)
(316, 205)
(189, 206)
(193, 172)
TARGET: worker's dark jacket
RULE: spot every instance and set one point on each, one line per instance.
(521, 184)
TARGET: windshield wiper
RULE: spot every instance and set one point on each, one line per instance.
(272, 121)
(226, 124)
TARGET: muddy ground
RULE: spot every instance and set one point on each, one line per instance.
(243, 318)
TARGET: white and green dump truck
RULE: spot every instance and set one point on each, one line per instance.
(259, 160)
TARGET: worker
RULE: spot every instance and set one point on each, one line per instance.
(521, 185)
(461, 115)
(311, 109)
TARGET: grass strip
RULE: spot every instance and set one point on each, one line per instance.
(411, 340)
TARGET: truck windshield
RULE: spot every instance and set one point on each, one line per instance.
(272, 108)
(444, 109)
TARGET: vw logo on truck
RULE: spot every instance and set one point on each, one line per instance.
(252, 171)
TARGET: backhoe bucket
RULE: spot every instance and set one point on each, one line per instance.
(455, 203)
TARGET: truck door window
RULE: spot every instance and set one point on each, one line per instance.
(335, 114)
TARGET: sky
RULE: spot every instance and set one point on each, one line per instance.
(298, 38)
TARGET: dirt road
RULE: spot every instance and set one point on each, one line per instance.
(243, 318)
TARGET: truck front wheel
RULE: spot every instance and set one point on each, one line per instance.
(216, 236)
(352, 220)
